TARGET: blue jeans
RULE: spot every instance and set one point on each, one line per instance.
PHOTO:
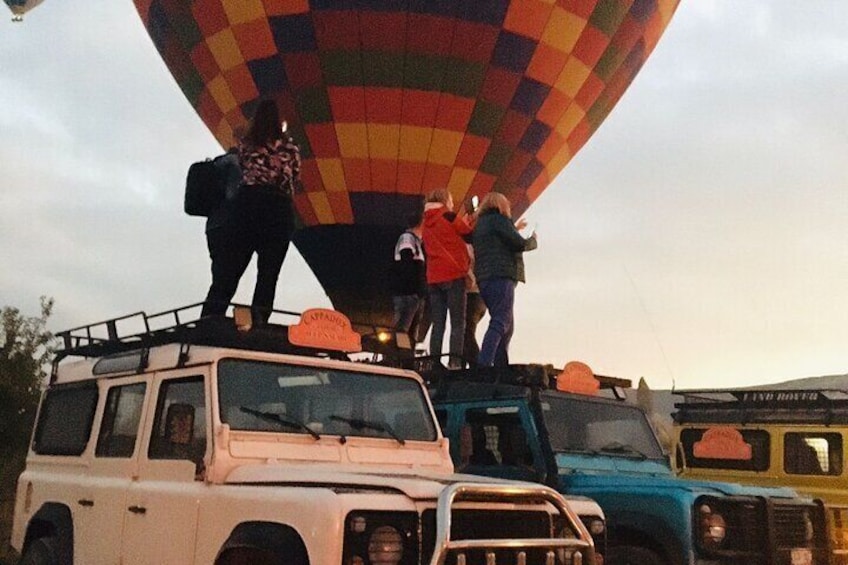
(406, 310)
(499, 296)
(448, 297)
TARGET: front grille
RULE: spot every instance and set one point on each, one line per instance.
(767, 531)
(798, 527)
(485, 524)
(791, 524)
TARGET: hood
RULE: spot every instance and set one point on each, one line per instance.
(587, 483)
(417, 485)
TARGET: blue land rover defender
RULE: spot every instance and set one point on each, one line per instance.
(514, 423)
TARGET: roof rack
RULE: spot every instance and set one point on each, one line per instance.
(527, 375)
(184, 326)
(813, 406)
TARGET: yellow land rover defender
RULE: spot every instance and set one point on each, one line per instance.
(792, 438)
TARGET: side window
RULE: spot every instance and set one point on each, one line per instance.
(496, 437)
(121, 418)
(757, 445)
(65, 420)
(812, 453)
(179, 431)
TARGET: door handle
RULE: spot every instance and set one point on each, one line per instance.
(137, 509)
(85, 502)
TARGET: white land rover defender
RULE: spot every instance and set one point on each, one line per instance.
(200, 443)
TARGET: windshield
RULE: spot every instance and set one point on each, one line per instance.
(598, 428)
(262, 396)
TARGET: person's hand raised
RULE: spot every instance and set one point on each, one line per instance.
(521, 224)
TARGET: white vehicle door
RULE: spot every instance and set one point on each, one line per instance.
(99, 515)
(58, 468)
(160, 523)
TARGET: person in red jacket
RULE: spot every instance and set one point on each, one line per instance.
(447, 267)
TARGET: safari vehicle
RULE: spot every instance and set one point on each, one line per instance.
(574, 432)
(200, 443)
(770, 437)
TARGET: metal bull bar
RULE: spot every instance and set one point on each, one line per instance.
(583, 549)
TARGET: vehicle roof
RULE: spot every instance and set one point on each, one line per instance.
(116, 347)
(511, 382)
(173, 356)
(748, 406)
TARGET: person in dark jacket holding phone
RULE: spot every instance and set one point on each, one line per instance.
(499, 267)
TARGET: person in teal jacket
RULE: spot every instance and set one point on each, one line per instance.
(499, 267)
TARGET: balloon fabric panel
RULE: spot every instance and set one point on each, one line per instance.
(21, 7)
(408, 96)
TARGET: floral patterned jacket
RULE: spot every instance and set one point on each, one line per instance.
(274, 164)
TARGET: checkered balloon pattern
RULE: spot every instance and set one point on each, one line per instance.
(390, 99)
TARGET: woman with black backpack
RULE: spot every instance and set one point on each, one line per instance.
(260, 217)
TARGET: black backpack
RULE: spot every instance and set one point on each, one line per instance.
(206, 186)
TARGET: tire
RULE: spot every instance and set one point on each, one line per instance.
(632, 555)
(41, 551)
(253, 556)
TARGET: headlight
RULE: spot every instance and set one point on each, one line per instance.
(595, 526)
(713, 528)
(385, 546)
(378, 537)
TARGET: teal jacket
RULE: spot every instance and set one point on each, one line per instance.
(498, 247)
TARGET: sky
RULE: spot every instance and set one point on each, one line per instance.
(697, 240)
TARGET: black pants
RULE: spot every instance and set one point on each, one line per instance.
(262, 222)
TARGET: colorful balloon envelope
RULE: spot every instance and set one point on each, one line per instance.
(21, 7)
(390, 99)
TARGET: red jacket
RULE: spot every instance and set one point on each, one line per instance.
(447, 255)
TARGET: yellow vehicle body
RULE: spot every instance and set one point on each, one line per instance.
(770, 438)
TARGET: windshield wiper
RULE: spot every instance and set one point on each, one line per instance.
(580, 450)
(280, 419)
(359, 424)
(616, 447)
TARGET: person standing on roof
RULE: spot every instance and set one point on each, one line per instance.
(447, 267)
(260, 218)
(499, 267)
(409, 278)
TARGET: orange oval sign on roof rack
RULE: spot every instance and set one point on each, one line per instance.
(722, 442)
(321, 328)
(577, 378)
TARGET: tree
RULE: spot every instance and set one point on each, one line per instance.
(25, 350)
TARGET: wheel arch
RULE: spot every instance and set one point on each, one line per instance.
(53, 519)
(264, 543)
(657, 538)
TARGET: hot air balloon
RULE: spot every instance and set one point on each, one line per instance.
(21, 7)
(391, 99)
